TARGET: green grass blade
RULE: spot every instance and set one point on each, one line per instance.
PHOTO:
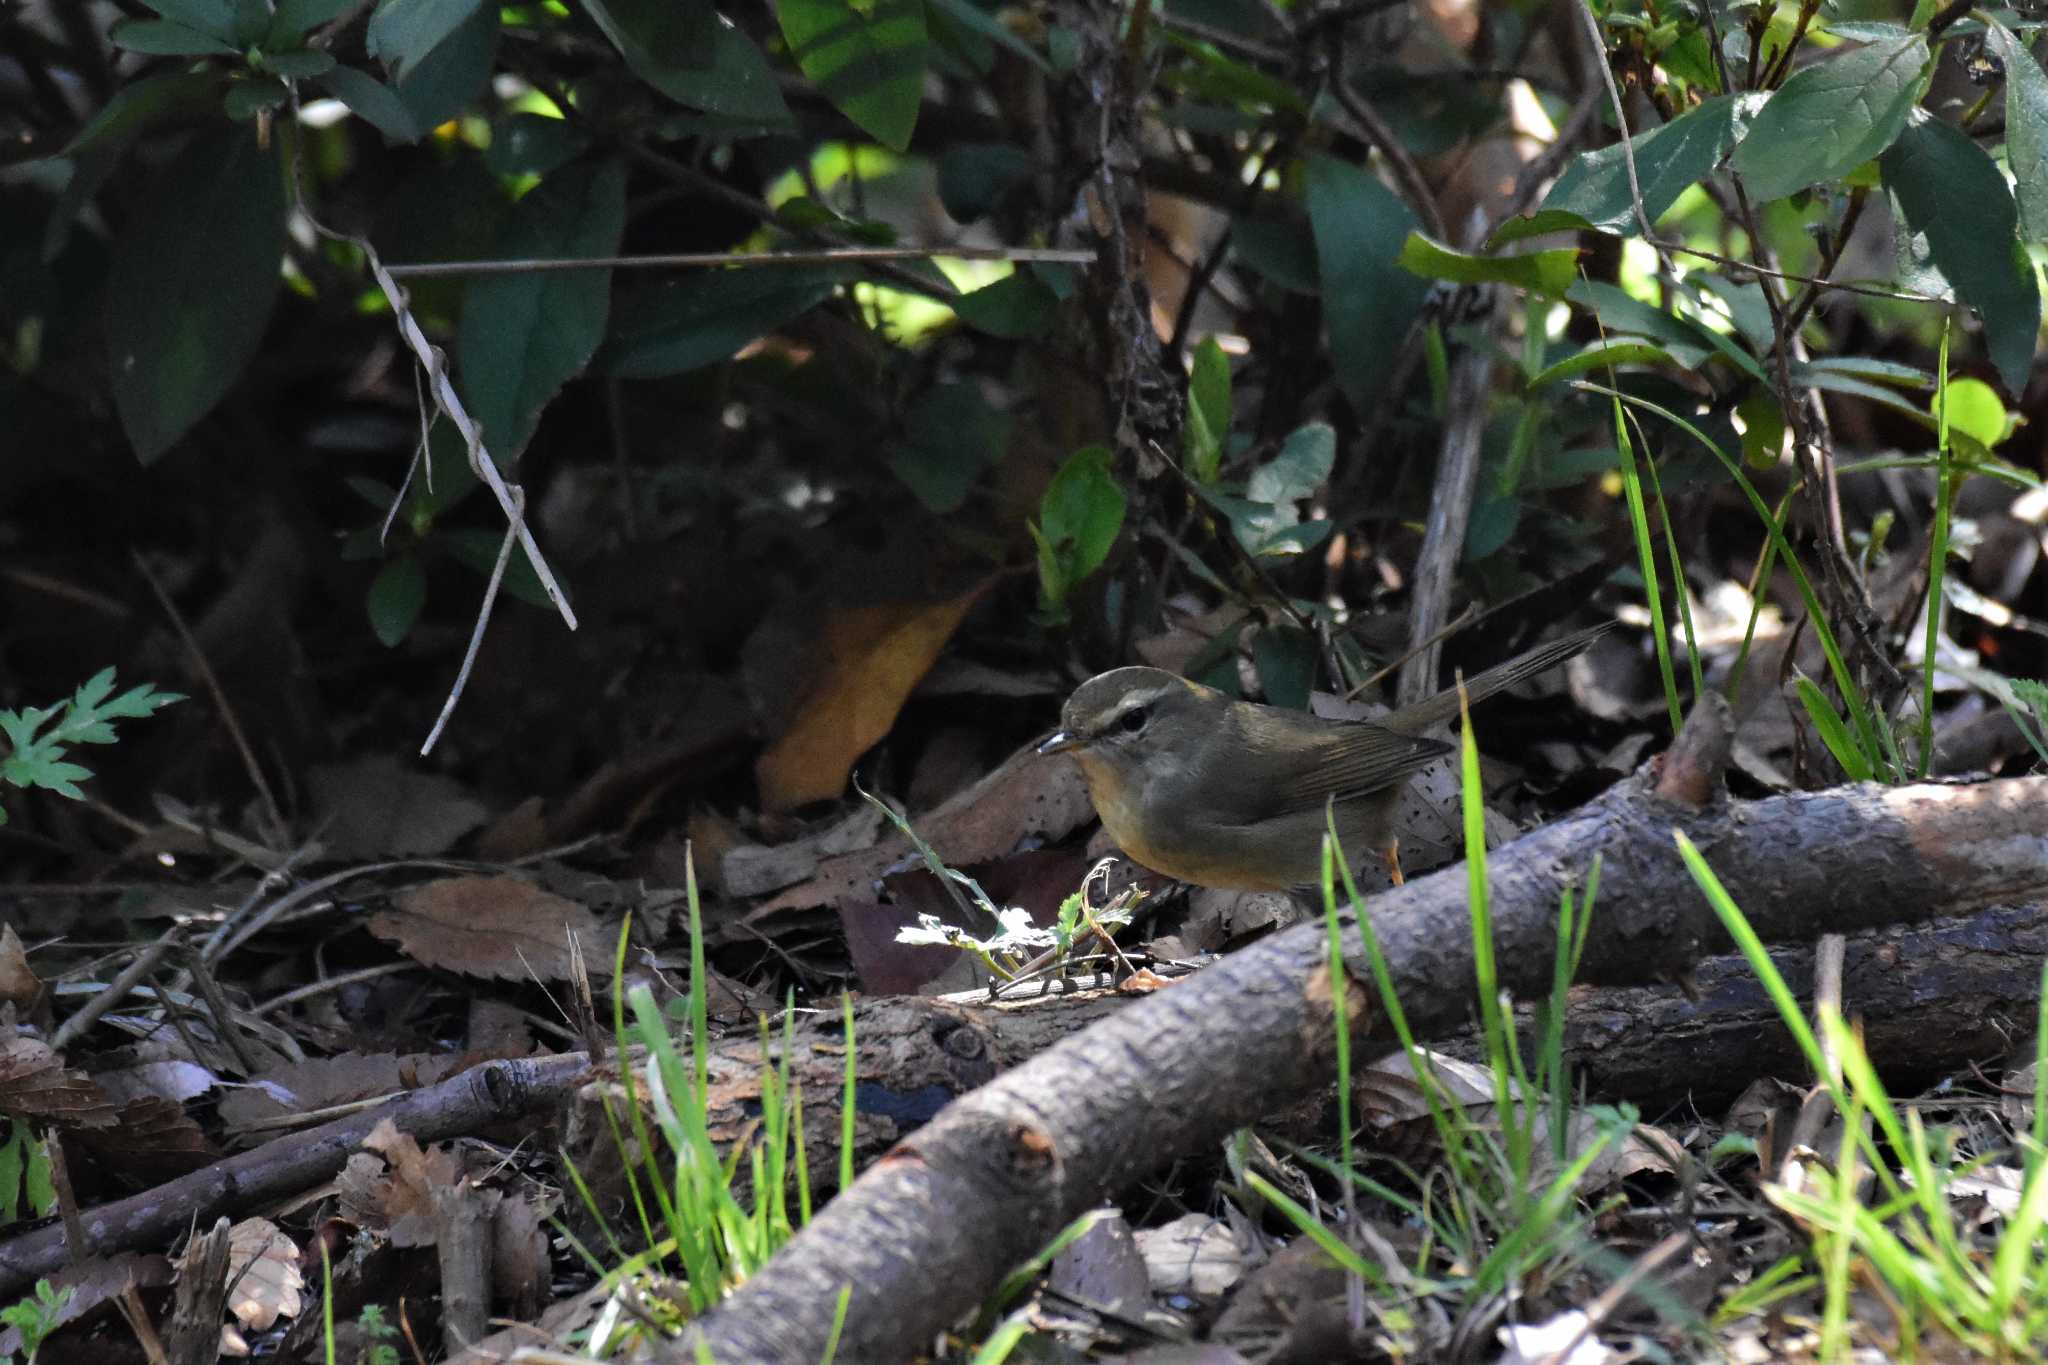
(1838, 668)
(1340, 990)
(846, 1110)
(1937, 555)
(1311, 1227)
(1833, 733)
(1646, 560)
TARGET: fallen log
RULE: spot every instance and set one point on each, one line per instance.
(930, 1228)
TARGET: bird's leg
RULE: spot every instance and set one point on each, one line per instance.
(1391, 856)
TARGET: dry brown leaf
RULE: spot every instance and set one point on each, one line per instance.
(1389, 1098)
(489, 926)
(380, 807)
(19, 984)
(152, 1138)
(34, 1083)
(401, 1204)
(519, 1254)
(1195, 1255)
(873, 657)
(264, 1283)
(1029, 795)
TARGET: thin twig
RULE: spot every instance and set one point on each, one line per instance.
(220, 697)
(1628, 153)
(483, 619)
(685, 259)
(1374, 130)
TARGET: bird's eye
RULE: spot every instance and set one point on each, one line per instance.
(1133, 720)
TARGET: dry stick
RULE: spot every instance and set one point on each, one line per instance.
(931, 1227)
(220, 697)
(483, 1095)
(1450, 511)
(117, 990)
(511, 500)
(483, 618)
(326, 984)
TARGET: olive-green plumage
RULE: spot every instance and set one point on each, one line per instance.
(1228, 793)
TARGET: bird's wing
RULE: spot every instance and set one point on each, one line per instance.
(1359, 759)
(1350, 759)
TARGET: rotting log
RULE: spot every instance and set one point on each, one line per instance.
(933, 1225)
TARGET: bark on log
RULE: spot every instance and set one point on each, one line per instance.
(473, 1100)
(932, 1226)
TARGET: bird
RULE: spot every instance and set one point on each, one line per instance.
(1230, 794)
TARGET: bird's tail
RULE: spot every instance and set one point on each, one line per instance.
(1443, 707)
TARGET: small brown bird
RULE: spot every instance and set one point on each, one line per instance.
(1230, 794)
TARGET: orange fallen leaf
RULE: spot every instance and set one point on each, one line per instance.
(874, 656)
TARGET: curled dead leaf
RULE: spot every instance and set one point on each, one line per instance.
(873, 657)
(264, 1281)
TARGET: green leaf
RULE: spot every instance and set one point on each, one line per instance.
(971, 16)
(1286, 657)
(1217, 76)
(706, 316)
(711, 66)
(1018, 307)
(524, 335)
(162, 38)
(533, 144)
(296, 18)
(1974, 410)
(1539, 224)
(395, 598)
(215, 17)
(1831, 117)
(1542, 272)
(1282, 250)
(1594, 189)
(139, 104)
(1208, 410)
(1763, 429)
(950, 435)
(1605, 356)
(403, 32)
(1369, 301)
(1266, 520)
(441, 84)
(974, 177)
(867, 59)
(1302, 466)
(1689, 342)
(2026, 128)
(1491, 525)
(1953, 196)
(1868, 368)
(298, 66)
(1078, 520)
(191, 285)
(477, 549)
(373, 101)
(246, 99)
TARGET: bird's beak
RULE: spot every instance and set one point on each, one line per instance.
(1060, 742)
